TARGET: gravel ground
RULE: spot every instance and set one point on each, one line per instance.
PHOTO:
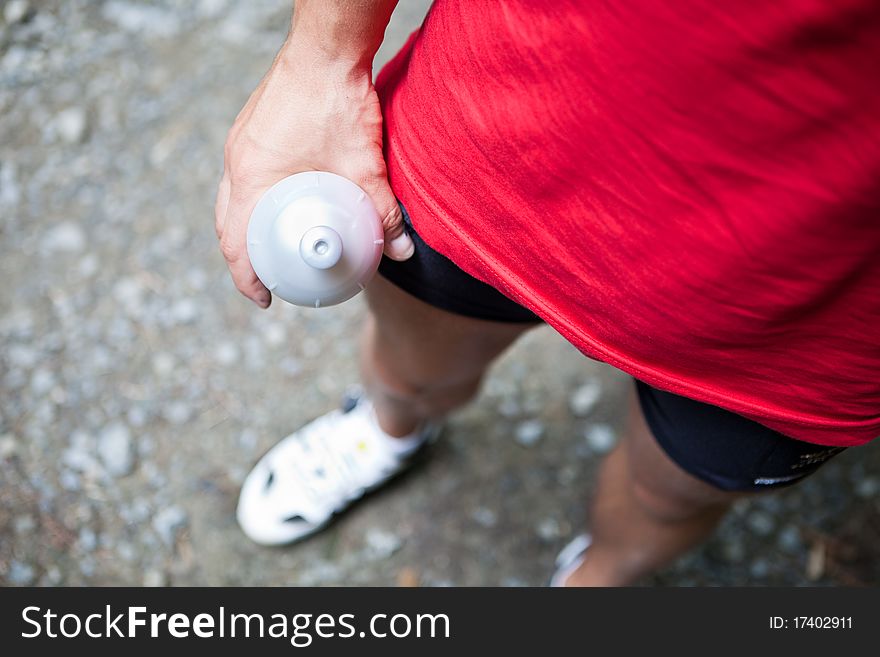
(137, 387)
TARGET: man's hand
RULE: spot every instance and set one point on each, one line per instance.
(313, 111)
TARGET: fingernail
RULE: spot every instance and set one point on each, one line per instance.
(401, 247)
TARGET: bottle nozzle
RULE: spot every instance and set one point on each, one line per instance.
(321, 247)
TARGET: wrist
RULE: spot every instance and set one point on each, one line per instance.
(320, 56)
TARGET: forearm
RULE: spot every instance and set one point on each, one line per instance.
(350, 31)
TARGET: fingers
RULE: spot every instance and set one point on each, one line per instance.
(220, 205)
(231, 215)
(398, 245)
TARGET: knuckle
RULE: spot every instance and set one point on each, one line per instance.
(392, 219)
(231, 250)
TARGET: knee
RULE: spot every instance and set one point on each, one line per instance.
(669, 507)
(419, 391)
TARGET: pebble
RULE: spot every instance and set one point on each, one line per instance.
(509, 407)
(42, 381)
(23, 356)
(88, 540)
(529, 432)
(168, 522)
(759, 569)
(69, 480)
(548, 529)
(382, 544)
(65, 237)
(116, 450)
(10, 191)
(789, 539)
(88, 266)
(761, 523)
(484, 516)
(163, 364)
(600, 438)
(128, 292)
(139, 19)
(275, 335)
(20, 574)
(24, 524)
(247, 439)
(155, 578)
(734, 550)
(184, 311)
(8, 445)
(16, 11)
(226, 353)
(78, 455)
(584, 398)
(70, 125)
(177, 412)
(868, 487)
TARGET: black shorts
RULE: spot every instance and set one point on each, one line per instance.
(717, 446)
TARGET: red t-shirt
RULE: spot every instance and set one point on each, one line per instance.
(688, 190)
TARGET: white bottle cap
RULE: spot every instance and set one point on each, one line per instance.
(315, 239)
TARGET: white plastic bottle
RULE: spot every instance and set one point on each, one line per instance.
(315, 239)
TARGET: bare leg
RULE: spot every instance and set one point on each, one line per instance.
(420, 362)
(646, 511)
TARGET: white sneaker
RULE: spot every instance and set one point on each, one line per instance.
(570, 559)
(318, 471)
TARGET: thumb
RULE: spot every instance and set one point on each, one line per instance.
(398, 245)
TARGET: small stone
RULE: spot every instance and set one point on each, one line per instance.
(69, 480)
(868, 487)
(88, 266)
(53, 576)
(761, 523)
(584, 398)
(70, 124)
(509, 407)
(226, 353)
(275, 334)
(66, 237)
(10, 190)
(759, 569)
(16, 11)
(548, 529)
(23, 356)
(128, 292)
(42, 382)
(168, 522)
(513, 582)
(177, 412)
(116, 450)
(184, 311)
(382, 544)
(87, 566)
(154, 578)
(8, 445)
(79, 455)
(140, 19)
(20, 574)
(734, 551)
(88, 540)
(529, 432)
(290, 366)
(484, 517)
(247, 439)
(163, 364)
(789, 539)
(600, 438)
(24, 524)
(137, 416)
